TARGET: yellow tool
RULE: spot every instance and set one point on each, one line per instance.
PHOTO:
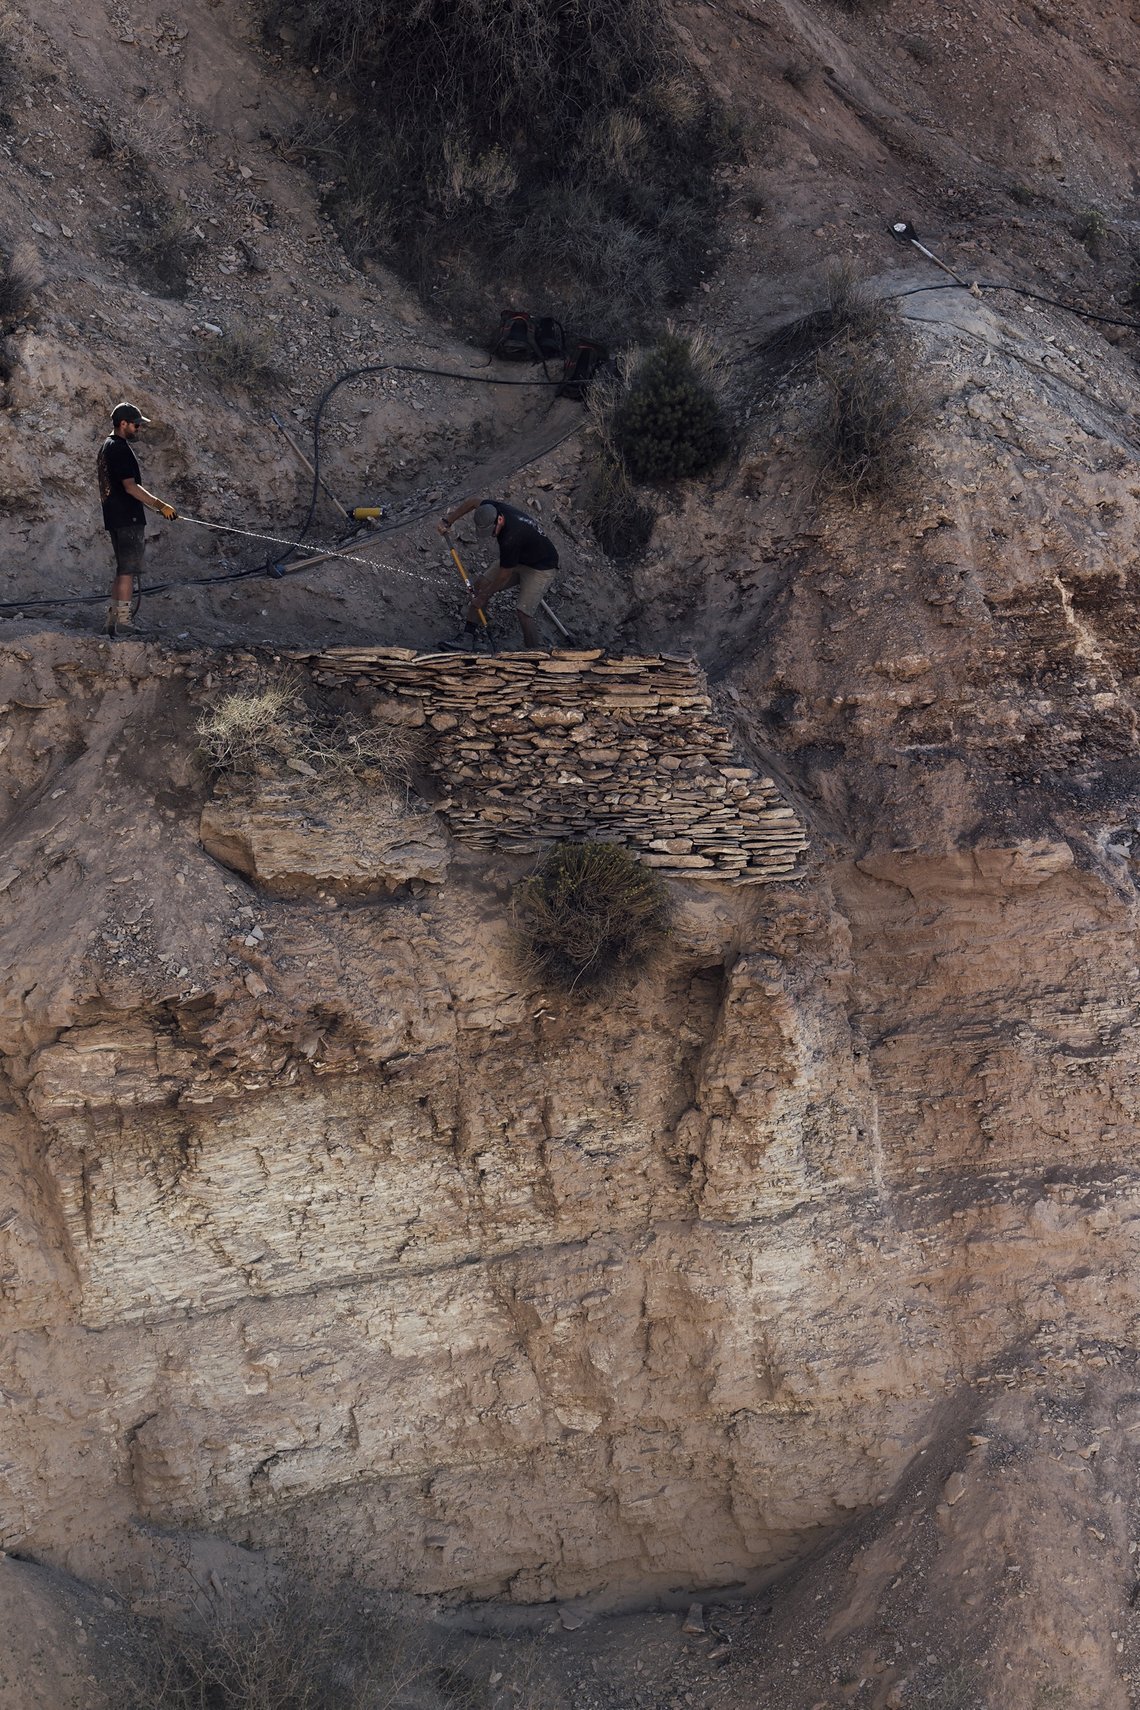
(466, 577)
(362, 513)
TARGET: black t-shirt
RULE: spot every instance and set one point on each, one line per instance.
(522, 543)
(117, 463)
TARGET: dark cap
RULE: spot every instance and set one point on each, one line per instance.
(129, 413)
(486, 516)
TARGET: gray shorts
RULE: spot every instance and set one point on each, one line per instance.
(532, 586)
(128, 545)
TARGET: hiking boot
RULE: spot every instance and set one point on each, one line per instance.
(118, 618)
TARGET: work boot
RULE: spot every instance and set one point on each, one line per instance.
(468, 641)
(118, 618)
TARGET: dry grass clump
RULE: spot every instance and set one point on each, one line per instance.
(621, 520)
(874, 402)
(590, 912)
(502, 139)
(241, 358)
(271, 727)
(18, 285)
(851, 311)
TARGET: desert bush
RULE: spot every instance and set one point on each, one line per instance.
(1091, 229)
(297, 1646)
(271, 726)
(17, 289)
(621, 520)
(159, 248)
(670, 422)
(486, 137)
(309, 1641)
(241, 358)
(851, 310)
(590, 912)
(872, 403)
(921, 49)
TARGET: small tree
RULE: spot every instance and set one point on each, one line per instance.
(670, 423)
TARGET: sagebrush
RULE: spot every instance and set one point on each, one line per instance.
(506, 139)
(589, 912)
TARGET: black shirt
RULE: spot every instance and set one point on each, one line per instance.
(117, 463)
(522, 543)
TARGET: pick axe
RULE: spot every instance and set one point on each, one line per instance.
(465, 576)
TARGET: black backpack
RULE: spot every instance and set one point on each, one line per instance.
(584, 362)
(523, 337)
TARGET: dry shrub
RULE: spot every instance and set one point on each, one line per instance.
(622, 522)
(271, 727)
(292, 1649)
(311, 1643)
(851, 311)
(241, 358)
(873, 403)
(498, 137)
(18, 286)
(159, 248)
(590, 912)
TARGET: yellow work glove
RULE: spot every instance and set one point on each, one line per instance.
(168, 512)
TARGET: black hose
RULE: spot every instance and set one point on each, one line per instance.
(277, 567)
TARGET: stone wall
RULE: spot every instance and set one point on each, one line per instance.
(536, 746)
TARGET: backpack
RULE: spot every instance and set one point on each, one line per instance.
(523, 337)
(580, 367)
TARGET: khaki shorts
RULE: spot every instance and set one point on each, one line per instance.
(532, 586)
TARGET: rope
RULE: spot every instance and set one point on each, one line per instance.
(294, 544)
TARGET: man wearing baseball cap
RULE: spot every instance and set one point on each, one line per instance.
(123, 497)
(527, 560)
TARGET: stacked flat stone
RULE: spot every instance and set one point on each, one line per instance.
(539, 746)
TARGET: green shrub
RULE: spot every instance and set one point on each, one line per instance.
(1091, 229)
(670, 422)
(591, 911)
(502, 138)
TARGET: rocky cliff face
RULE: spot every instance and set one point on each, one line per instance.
(322, 1224)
